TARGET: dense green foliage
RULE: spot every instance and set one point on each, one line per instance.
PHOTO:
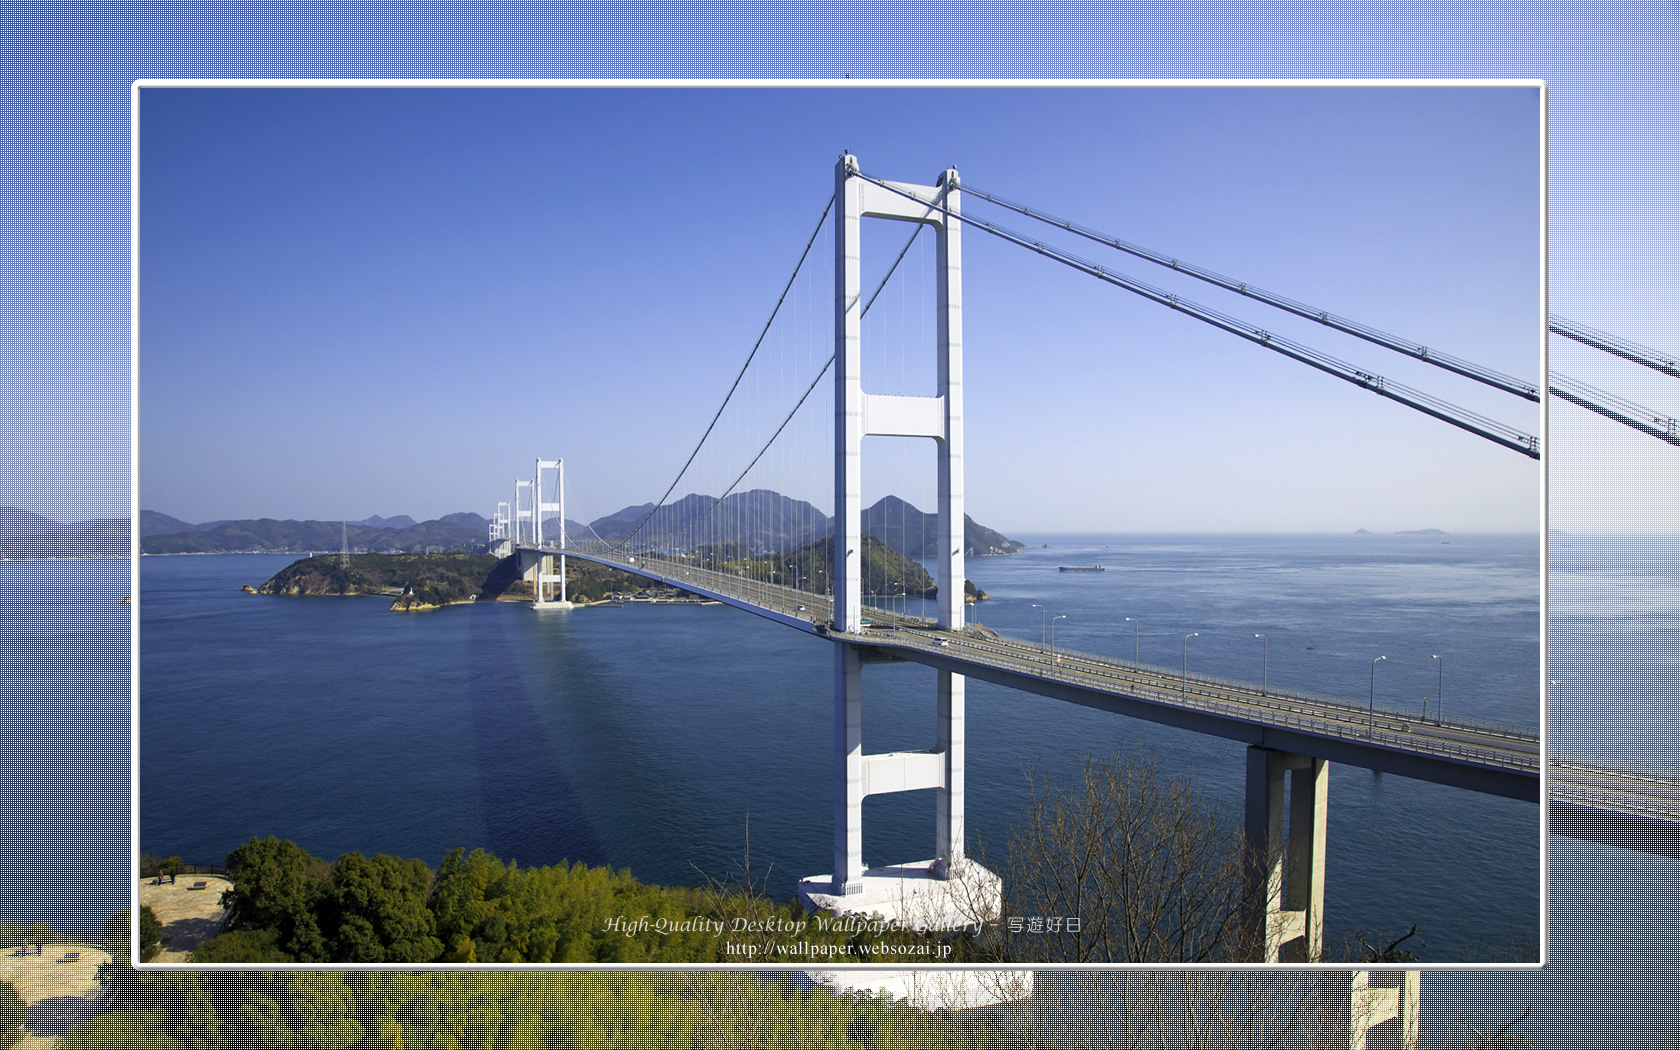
(151, 935)
(12, 1011)
(423, 581)
(291, 907)
(386, 1009)
(432, 579)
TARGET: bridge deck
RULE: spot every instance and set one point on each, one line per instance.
(1500, 760)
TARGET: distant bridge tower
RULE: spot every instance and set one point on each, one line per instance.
(545, 573)
(499, 524)
(344, 545)
(948, 890)
(524, 509)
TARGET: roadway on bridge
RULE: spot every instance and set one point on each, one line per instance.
(1502, 760)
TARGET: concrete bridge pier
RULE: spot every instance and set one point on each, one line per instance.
(1380, 998)
(943, 893)
(537, 569)
(1285, 879)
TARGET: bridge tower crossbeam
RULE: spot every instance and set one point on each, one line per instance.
(948, 890)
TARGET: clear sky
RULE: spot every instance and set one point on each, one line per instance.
(390, 301)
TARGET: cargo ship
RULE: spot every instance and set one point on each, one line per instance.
(1081, 568)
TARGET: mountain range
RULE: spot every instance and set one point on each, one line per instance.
(768, 521)
(27, 535)
(761, 520)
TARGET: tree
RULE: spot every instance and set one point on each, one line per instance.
(274, 888)
(12, 1010)
(1122, 865)
(116, 936)
(376, 908)
(151, 935)
(1200, 1009)
(251, 946)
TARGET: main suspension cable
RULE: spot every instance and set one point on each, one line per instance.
(797, 405)
(1620, 409)
(1469, 369)
(1464, 419)
(747, 364)
(1611, 344)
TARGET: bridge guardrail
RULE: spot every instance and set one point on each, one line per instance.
(1614, 803)
(1486, 725)
(1317, 725)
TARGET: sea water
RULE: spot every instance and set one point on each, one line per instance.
(691, 742)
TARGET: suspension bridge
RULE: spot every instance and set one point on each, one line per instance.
(1291, 736)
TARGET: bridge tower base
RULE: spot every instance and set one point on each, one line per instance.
(537, 569)
(927, 990)
(1285, 880)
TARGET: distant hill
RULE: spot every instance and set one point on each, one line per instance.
(24, 534)
(769, 522)
(905, 528)
(468, 518)
(765, 521)
(153, 523)
(288, 536)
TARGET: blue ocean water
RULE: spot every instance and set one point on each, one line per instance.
(64, 741)
(684, 741)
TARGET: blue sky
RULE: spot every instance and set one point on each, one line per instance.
(389, 301)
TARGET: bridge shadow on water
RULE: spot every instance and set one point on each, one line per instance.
(530, 807)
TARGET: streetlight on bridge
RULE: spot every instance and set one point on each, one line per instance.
(1053, 635)
(1042, 613)
(1134, 624)
(1262, 663)
(1373, 730)
(1186, 678)
(1440, 672)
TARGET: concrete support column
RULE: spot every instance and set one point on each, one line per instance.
(949, 390)
(1303, 891)
(848, 398)
(948, 798)
(1286, 920)
(1377, 999)
(848, 770)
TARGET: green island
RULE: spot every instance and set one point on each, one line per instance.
(419, 582)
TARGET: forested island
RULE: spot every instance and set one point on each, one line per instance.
(418, 582)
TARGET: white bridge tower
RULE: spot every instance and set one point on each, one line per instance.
(545, 573)
(948, 890)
